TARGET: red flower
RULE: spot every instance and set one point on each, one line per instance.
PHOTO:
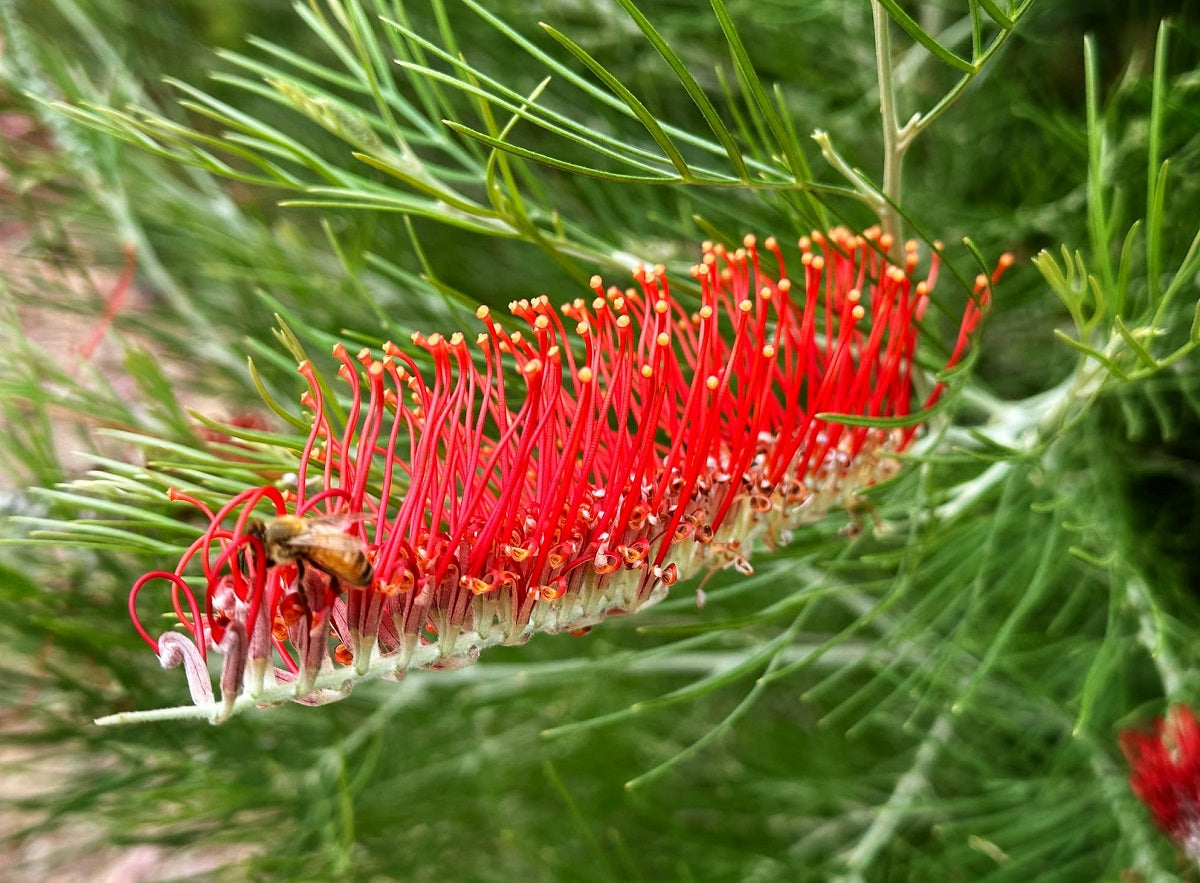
(540, 482)
(1165, 775)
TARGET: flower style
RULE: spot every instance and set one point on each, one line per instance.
(539, 482)
(1165, 775)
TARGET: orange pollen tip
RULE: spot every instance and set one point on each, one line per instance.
(552, 353)
(771, 242)
(456, 339)
(515, 337)
(474, 585)
(618, 302)
(896, 274)
(663, 338)
(623, 321)
(768, 351)
(376, 369)
(533, 366)
(596, 282)
(541, 323)
(854, 295)
(785, 285)
(416, 337)
(706, 312)
(483, 312)
(647, 371)
(818, 263)
(922, 288)
(661, 306)
(585, 374)
(339, 349)
(598, 304)
(765, 292)
(746, 306)
(858, 312)
(1007, 259)
(480, 339)
(749, 240)
(582, 329)
(711, 381)
(886, 241)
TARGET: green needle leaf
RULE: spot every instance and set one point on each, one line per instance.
(631, 101)
(914, 30)
(693, 88)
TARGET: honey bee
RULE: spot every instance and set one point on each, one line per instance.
(321, 542)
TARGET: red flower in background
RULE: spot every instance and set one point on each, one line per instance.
(1165, 775)
(540, 481)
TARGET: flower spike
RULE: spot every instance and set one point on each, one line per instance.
(1165, 775)
(540, 480)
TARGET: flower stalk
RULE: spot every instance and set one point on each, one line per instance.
(544, 479)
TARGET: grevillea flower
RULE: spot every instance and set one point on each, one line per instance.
(543, 479)
(1165, 775)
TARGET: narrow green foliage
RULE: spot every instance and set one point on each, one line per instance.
(928, 686)
(691, 86)
(914, 30)
(1121, 320)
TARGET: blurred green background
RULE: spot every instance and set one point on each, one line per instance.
(937, 700)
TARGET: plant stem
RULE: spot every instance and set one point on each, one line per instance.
(893, 146)
(900, 803)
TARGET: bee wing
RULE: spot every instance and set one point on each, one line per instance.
(334, 523)
(332, 541)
